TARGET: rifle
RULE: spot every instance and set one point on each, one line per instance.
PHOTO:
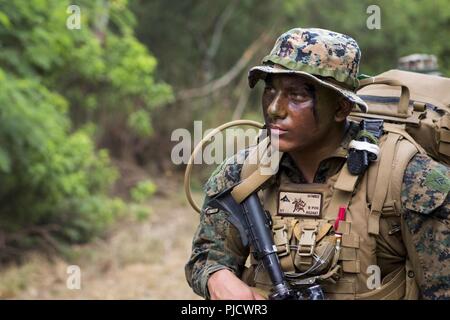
(249, 217)
(254, 224)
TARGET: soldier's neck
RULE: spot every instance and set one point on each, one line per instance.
(309, 158)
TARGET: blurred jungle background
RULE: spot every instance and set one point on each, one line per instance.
(86, 117)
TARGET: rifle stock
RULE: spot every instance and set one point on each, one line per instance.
(254, 225)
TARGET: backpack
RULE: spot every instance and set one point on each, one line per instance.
(421, 110)
(418, 102)
(414, 107)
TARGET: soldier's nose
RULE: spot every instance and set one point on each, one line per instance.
(276, 108)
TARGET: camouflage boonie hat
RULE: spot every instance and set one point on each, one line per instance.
(328, 58)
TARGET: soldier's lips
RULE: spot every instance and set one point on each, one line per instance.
(275, 130)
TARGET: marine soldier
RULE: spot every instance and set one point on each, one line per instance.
(396, 222)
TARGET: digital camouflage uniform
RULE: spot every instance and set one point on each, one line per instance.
(424, 191)
(426, 184)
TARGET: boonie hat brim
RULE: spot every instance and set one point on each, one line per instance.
(260, 72)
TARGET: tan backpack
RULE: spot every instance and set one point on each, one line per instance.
(416, 108)
(418, 111)
(419, 102)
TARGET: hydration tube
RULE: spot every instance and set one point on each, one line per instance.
(199, 147)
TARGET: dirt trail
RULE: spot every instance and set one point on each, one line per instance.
(139, 260)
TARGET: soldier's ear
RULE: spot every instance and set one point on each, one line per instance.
(343, 109)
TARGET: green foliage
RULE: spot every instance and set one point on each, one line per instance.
(406, 27)
(182, 34)
(139, 121)
(139, 212)
(102, 70)
(143, 191)
(61, 91)
(196, 42)
(49, 175)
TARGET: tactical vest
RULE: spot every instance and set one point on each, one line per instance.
(346, 263)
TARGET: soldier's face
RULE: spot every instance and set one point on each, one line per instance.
(296, 111)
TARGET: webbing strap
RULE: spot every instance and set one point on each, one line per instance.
(407, 152)
(282, 235)
(346, 181)
(252, 161)
(344, 187)
(445, 122)
(342, 195)
(287, 264)
(323, 231)
(382, 183)
(404, 95)
(262, 171)
(246, 187)
(389, 127)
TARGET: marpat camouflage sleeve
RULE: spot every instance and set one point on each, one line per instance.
(216, 244)
(426, 200)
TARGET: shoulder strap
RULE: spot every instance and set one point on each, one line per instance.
(382, 182)
(343, 190)
(358, 161)
(401, 130)
(396, 152)
(261, 164)
(251, 163)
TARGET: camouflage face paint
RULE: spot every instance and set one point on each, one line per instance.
(312, 92)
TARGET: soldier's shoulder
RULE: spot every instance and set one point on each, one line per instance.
(426, 184)
(226, 174)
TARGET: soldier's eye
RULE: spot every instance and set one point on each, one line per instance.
(297, 96)
(270, 90)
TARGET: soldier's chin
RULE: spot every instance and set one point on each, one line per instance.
(283, 146)
(283, 143)
(288, 146)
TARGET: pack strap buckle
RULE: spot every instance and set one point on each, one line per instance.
(307, 241)
(280, 237)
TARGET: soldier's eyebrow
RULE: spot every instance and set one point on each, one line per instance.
(303, 88)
